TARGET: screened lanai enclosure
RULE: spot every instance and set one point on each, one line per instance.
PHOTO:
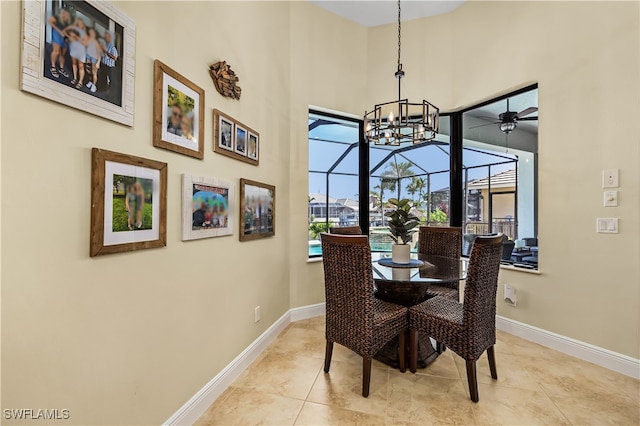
(339, 172)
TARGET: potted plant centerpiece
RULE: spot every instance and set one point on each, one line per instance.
(401, 225)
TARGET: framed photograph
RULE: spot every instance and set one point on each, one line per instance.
(128, 203)
(257, 210)
(226, 135)
(252, 149)
(234, 139)
(80, 54)
(178, 113)
(241, 140)
(207, 207)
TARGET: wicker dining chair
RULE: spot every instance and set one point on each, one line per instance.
(441, 241)
(468, 328)
(346, 230)
(355, 318)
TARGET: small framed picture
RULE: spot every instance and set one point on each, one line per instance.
(234, 139)
(178, 113)
(226, 136)
(257, 210)
(252, 149)
(241, 140)
(81, 54)
(207, 207)
(128, 203)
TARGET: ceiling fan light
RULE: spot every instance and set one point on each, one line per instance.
(507, 127)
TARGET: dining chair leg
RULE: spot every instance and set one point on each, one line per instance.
(402, 350)
(492, 363)
(413, 349)
(327, 356)
(473, 381)
(366, 376)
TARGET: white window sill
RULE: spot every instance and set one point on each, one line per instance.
(314, 259)
(525, 270)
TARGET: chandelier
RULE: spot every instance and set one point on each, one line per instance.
(395, 122)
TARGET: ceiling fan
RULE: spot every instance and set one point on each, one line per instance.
(508, 120)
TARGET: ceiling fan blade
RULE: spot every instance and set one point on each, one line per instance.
(483, 125)
(528, 119)
(527, 111)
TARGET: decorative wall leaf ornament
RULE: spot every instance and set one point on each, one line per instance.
(225, 80)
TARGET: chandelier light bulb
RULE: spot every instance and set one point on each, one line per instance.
(390, 118)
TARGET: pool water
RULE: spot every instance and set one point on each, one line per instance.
(315, 249)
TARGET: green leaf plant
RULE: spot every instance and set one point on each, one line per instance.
(401, 221)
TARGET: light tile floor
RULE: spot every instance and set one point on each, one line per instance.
(537, 385)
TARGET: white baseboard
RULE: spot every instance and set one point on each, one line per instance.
(198, 404)
(306, 312)
(603, 357)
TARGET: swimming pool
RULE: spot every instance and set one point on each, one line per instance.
(315, 247)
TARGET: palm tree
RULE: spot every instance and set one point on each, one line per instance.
(412, 189)
(395, 172)
(418, 184)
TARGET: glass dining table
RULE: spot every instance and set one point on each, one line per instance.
(409, 285)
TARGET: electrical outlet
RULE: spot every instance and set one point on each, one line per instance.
(256, 314)
(510, 295)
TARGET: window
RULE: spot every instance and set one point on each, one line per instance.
(500, 144)
(417, 172)
(333, 175)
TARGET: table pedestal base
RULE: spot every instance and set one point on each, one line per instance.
(389, 352)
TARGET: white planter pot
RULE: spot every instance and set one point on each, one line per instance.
(401, 274)
(401, 253)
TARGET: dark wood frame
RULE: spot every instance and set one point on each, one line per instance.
(248, 237)
(224, 151)
(158, 70)
(98, 159)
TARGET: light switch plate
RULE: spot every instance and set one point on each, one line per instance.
(610, 178)
(611, 198)
(607, 225)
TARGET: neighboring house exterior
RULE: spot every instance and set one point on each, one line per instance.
(478, 197)
(343, 211)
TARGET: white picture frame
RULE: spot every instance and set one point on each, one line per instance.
(208, 207)
(253, 146)
(227, 133)
(240, 143)
(113, 98)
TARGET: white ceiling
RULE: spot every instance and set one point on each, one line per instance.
(371, 13)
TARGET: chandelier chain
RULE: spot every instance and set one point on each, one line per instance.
(399, 36)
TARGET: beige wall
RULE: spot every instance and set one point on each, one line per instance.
(328, 69)
(586, 58)
(129, 338)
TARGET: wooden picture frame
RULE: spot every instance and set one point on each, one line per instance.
(56, 29)
(220, 145)
(128, 203)
(208, 207)
(257, 210)
(178, 112)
